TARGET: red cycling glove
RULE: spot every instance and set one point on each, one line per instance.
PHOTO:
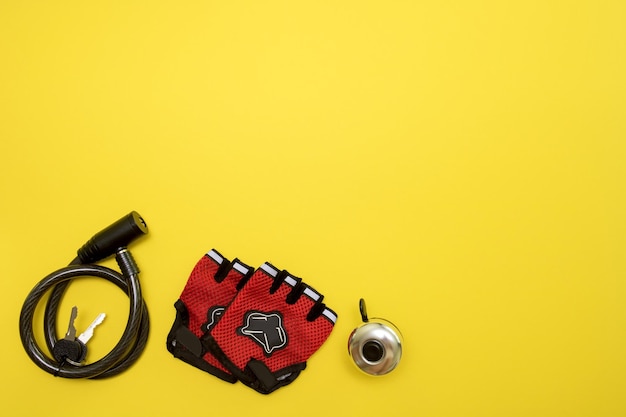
(274, 324)
(212, 285)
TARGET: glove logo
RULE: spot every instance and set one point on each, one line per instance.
(213, 315)
(265, 329)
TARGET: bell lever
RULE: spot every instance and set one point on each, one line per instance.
(363, 310)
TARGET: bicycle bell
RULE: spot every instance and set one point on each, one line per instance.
(376, 345)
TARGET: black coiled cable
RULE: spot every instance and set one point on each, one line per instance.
(112, 240)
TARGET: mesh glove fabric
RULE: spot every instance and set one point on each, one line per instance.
(212, 285)
(271, 328)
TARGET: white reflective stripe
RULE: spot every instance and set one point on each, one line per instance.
(240, 268)
(330, 315)
(215, 256)
(270, 271)
(289, 280)
(312, 294)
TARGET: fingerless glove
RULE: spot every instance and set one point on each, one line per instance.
(211, 287)
(270, 329)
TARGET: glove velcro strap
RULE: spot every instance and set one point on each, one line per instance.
(184, 345)
(256, 374)
(266, 382)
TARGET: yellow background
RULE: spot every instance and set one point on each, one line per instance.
(460, 164)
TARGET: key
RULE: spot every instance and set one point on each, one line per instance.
(88, 333)
(71, 330)
(69, 349)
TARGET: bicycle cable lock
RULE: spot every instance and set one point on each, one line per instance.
(110, 241)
